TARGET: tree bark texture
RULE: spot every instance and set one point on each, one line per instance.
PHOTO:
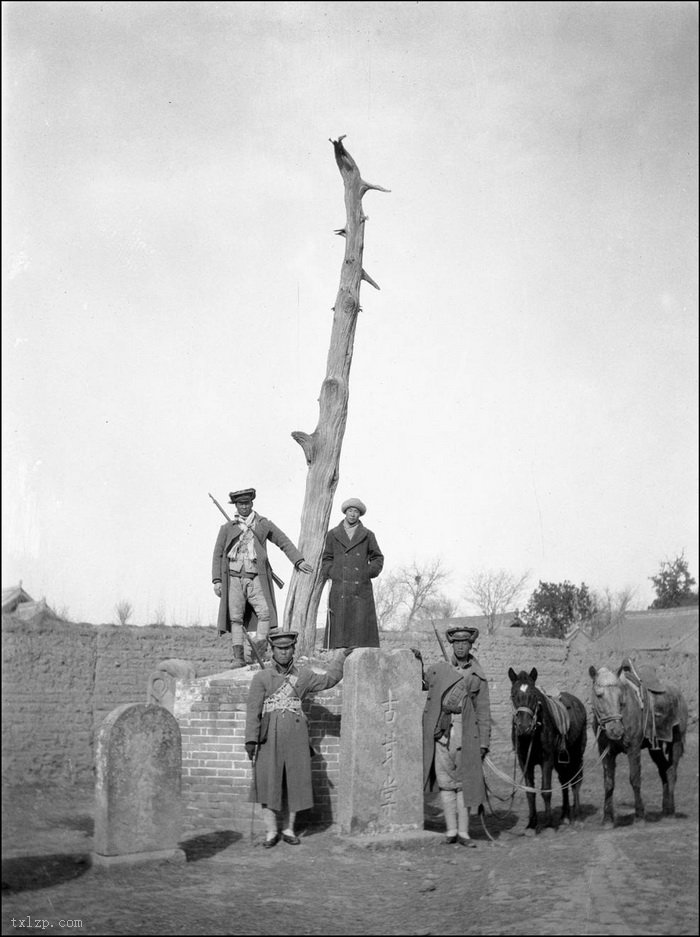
(322, 447)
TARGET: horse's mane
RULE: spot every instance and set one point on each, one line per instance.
(605, 677)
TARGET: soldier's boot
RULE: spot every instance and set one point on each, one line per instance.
(463, 822)
(449, 809)
(238, 657)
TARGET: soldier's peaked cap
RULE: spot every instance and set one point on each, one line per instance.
(245, 494)
(283, 639)
(462, 634)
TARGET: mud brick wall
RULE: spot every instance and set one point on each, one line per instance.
(126, 655)
(47, 702)
(217, 776)
(61, 679)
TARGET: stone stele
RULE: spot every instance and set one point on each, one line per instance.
(138, 801)
(381, 748)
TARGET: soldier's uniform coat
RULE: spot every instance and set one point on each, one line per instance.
(351, 563)
(476, 724)
(263, 531)
(284, 736)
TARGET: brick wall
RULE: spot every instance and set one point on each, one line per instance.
(216, 773)
(47, 702)
(60, 680)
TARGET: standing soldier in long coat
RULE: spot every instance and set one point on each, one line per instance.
(457, 733)
(242, 575)
(277, 736)
(351, 559)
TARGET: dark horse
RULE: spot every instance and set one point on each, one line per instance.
(541, 737)
(628, 715)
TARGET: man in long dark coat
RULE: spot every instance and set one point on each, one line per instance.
(457, 733)
(351, 558)
(277, 735)
(242, 575)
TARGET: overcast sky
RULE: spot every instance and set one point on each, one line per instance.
(523, 387)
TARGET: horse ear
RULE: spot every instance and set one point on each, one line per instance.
(533, 674)
(512, 674)
(592, 672)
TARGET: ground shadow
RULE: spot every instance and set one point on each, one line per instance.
(313, 828)
(208, 844)
(486, 825)
(82, 823)
(28, 873)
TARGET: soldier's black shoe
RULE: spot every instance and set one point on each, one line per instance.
(292, 840)
(464, 841)
(450, 840)
(269, 843)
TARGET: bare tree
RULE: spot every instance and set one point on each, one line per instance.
(322, 447)
(387, 601)
(419, 585)
(123, 611)
(611, 608)
(493, 591)
(439, 606)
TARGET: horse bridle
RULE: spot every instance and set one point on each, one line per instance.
(603, 720)
(531, 713)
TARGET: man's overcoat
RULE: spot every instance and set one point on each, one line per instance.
(351, 563)
(263, 531)
(283, 736)
(476, 725)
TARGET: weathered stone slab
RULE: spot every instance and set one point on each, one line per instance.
(163, 681)
(138, 806)
(381, 745)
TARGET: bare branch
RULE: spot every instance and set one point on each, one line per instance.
(493, 591)
(306, 442)
(368, 278)
(366, 186)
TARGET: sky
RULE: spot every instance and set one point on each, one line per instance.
(523, 390)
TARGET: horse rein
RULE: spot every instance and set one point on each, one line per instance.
(531, 713)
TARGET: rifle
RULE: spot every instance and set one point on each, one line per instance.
(442, 646)
(254, 798)
(276, 579)
(254, 649)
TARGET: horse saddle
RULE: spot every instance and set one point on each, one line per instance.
(560, 715)
(642, 677)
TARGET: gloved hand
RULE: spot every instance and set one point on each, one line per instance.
(250, 749)
(217, 589)
(304, 567)
(484, 752)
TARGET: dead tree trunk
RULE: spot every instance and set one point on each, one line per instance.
(322, 447)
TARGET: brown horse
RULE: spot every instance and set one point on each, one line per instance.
(627, 717)
(555, 743)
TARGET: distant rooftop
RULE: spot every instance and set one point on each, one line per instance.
(665, 629)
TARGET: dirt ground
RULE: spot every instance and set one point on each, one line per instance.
(635, 879)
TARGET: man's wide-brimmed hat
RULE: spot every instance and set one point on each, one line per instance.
(283, 638)
(246, 495)
(462, 634)
(353, 503)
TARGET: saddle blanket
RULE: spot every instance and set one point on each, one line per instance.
(560, 714)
